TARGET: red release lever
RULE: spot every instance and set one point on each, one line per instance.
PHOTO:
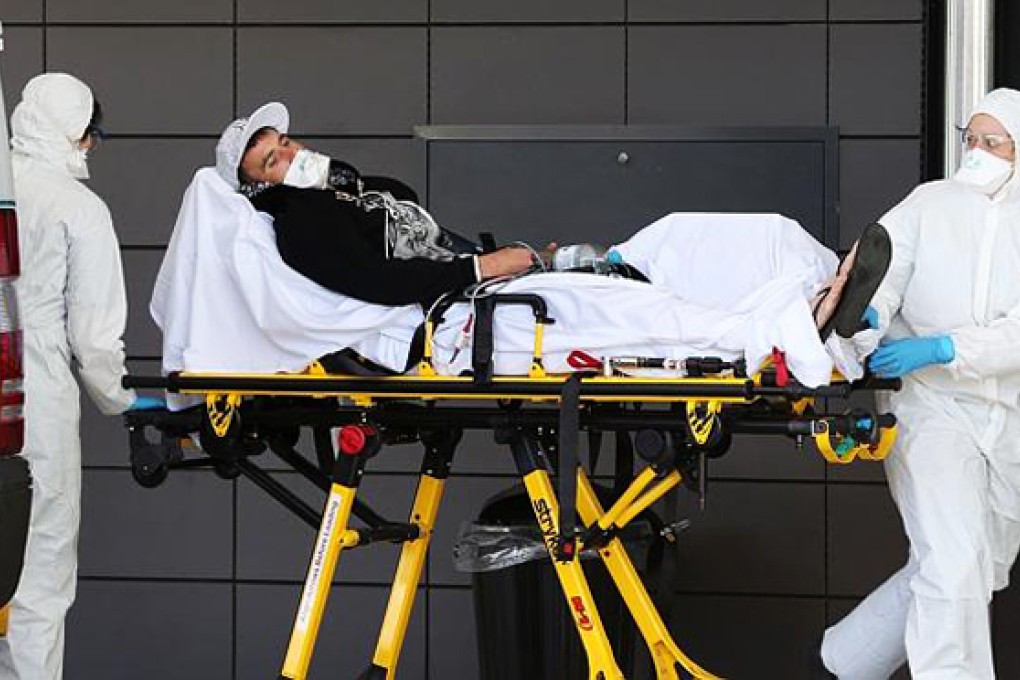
(352, 439)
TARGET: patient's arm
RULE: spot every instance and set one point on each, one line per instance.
(505, 262)
(340, 247)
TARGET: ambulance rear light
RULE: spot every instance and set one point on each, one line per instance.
(10, 260)
(12, 396)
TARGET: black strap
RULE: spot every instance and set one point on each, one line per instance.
(417, 349)
(483, 346)
(570, 426)
(348, 362)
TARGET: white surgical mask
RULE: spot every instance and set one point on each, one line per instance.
(984, 171)
(308, 170)
(77, 162)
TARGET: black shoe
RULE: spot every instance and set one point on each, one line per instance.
(868, 264)
(816, 667)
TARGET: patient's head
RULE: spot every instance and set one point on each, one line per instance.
(267, 157)
(239, 138)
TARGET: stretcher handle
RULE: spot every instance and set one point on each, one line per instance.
(181, 422)
(850, 422)
(841, 390)
(484, 348)
(536, 302)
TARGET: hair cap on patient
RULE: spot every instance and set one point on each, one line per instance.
(234, 140)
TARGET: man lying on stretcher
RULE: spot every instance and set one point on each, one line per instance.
(282, 255)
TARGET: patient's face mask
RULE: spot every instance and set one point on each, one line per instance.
(985, 172)
(308, 170)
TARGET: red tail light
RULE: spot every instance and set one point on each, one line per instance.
(10, 259)
(12, 397)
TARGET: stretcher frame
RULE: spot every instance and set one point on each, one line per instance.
(693, 419)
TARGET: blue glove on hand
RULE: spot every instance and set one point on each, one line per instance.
(147, 403)
(896, 358)
(870, 317)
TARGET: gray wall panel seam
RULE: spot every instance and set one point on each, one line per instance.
(235, 71)
(836, 240)
(45, 37)
(506, 476)
(450, 24)
(626, 62)
(426, 569)
(454, 587)
(214, 136)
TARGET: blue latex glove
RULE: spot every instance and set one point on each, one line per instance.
(147, 403)
(896, 358)
(870, 317)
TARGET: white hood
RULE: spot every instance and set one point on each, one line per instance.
(1003, 105)
(51, 118)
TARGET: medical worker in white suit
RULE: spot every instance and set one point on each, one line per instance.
(951, 307)
(73, 311)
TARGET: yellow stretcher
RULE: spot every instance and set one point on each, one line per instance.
(673, 424)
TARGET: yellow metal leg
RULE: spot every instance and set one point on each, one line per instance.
(628, 497)
(5, 614)
(405, 583)
(666, 654)
(325, 556)
(601, 663)
(660, 489)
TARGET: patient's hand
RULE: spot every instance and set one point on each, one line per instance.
(505, 262)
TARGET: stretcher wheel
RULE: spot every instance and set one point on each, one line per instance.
(216, 445)
(149, 466)
(225, 469)
(705, 427)
(719, 443)
(654, 446)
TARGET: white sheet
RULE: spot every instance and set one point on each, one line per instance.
(226, 301)
(723, 285)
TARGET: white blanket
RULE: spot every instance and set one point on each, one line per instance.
(723, 285)
(226, 301)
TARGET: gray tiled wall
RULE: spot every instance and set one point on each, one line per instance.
(199, 578)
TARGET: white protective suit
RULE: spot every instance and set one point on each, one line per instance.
(73, 308)
(759, 300)
(955, 470)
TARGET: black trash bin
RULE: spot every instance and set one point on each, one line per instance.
(524, 629)
(15, 507)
